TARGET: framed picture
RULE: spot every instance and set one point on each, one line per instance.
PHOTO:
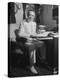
(32, 39)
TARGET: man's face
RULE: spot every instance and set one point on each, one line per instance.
(31, 16)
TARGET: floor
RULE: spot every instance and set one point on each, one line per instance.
(17, 67)
(21, 71)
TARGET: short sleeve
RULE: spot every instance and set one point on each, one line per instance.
(21, 31)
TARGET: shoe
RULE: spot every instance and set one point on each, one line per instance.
(32, 69)
(55, 71)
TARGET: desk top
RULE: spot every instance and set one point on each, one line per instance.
(45, 38)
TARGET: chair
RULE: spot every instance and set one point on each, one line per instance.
(17, 53)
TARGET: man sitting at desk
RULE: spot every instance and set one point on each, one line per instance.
(27, 29)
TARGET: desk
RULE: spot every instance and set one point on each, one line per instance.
(55, 53)
(51, 50)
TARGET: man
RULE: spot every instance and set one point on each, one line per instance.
(27, 29)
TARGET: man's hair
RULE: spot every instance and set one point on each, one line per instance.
(29, 12)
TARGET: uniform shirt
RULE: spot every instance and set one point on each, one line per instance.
(27, 29)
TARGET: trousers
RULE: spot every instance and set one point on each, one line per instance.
(33, 47)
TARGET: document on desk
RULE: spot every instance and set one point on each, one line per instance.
(45, 34)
